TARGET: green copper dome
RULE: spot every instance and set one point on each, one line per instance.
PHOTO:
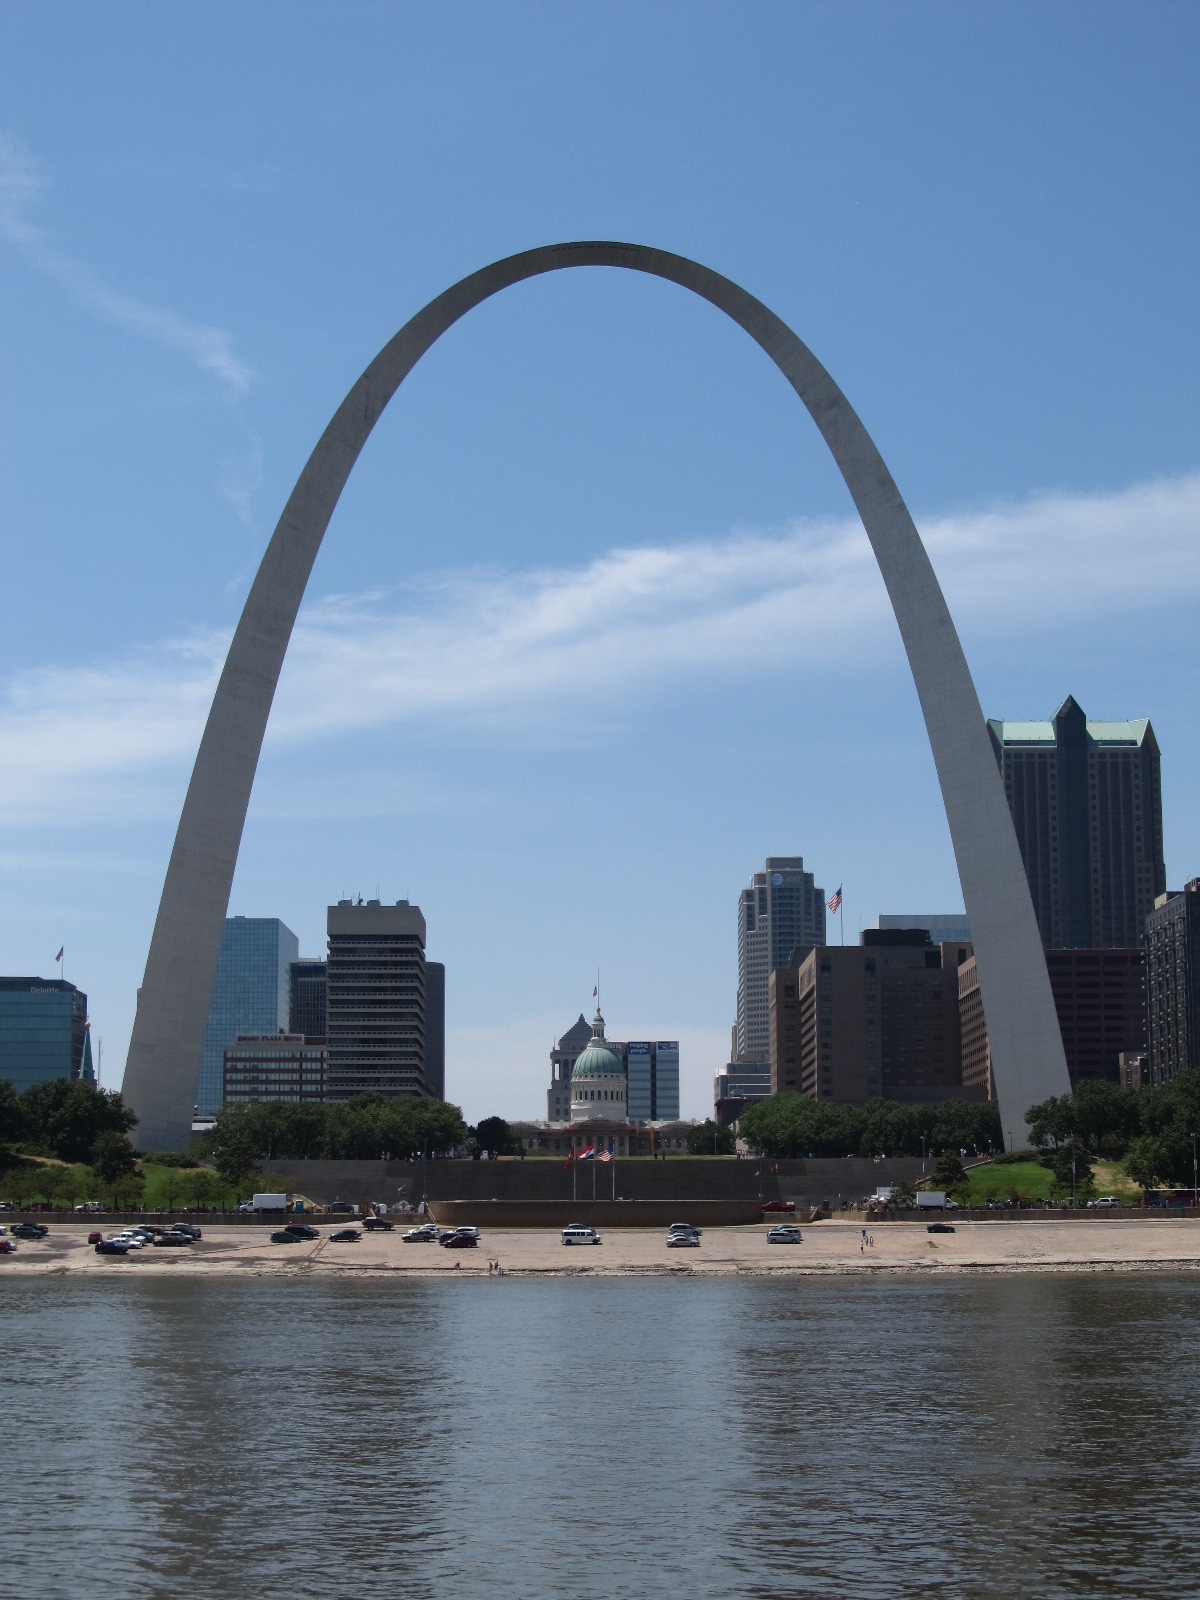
(597, 1061)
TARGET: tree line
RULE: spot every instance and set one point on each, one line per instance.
(1154, 1133)
(789, 1125)
(362, 1129)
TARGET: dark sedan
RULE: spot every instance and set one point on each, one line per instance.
(286, 1236)
(112, 1247)
(186, 1227)
(301, 1230)
(170, 1240)
(460, 1241)
(939, 1227)
(345, 1236)
(30, 1230)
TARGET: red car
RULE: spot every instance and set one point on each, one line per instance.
(778, 1205)
(7, 1247)
(95, 1237)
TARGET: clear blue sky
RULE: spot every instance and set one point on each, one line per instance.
(593, 631)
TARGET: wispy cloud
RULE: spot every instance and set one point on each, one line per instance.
(22, 182)
(514, 652)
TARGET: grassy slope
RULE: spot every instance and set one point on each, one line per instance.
(1031, 1179)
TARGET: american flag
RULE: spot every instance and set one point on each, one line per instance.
(836, 901)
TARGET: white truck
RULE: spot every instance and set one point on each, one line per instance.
(269, 1202)
(931, 1200)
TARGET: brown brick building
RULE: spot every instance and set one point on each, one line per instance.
(851, 1023)
(1100, 997)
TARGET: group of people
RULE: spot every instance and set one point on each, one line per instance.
(494, 1268)
(865, 1242)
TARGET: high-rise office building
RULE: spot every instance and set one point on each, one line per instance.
(1086, 802)
(274, 1067)
(44, 1032)
(780, 911)
(251, 994)
(376, 1000)
(435, 1029)
(850, 1023)
(1173, 983)
(1100, 1000)
(306, 998)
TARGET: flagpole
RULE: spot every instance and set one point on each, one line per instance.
(842, 917)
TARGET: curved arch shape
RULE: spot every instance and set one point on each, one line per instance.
(165, 1049)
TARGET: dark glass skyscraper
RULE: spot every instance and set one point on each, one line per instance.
(43, 1032)
(1086, 801)
(306, 1000)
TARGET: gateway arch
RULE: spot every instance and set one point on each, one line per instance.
(163, 1065)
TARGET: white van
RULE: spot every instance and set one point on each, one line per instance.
(578, 1234)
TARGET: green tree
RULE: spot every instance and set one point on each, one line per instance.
(238, 1146)
(170, 1187)
(710, 1139)
(948, 1172)
(493, 1133)
(12, 1120)
(113, 1158)
(1146, 1160)
(64, 1119)
(1072, 1168)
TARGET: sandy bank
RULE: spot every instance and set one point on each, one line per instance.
(827, 1247)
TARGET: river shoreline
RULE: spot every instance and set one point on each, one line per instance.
(827, 1248)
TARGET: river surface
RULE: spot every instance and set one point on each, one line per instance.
(279, 1440)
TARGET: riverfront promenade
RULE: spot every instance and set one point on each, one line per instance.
(1127, 1244)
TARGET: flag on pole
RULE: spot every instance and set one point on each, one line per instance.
(605, 1155)
(836, 901)
(595, 994)
(59, 956)
(587, 1155)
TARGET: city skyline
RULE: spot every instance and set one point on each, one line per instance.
(623, 584)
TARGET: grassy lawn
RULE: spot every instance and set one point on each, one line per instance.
(1027, 1178)
(169, 1188)
(1032, 1180)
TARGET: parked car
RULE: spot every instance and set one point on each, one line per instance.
(378, 1224)
(30, 1230)
(90, 1205)
(113, 1247)
(684, 1227)
(461, 1241)
(7, 1247)
(186, 1227)
(682, 1241)
(341, 1208)
(939, 1227)
(131, 1241)
(784, 1233)
(779, 1205)
(286, 1236)
(303, 1231)
(427, 1233)
(576, 1233)
(345, 1236)
(1106, 1202)
(95, 1236)
(172, 1241)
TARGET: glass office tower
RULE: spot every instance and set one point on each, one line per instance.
(43, 1032)
(251, 994)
